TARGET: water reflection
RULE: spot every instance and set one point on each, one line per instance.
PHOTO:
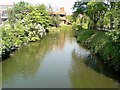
(97, 65)
(25, 62)
(57, 61)
(89, 72)
(58, 41)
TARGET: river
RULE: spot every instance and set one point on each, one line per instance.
(56, 61)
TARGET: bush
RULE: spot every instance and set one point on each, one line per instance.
(35, 39)
(100, 43)
(84, 35)
(25, 23)
(75, 26)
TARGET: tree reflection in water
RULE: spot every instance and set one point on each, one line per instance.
(89, 72)
(26, 61)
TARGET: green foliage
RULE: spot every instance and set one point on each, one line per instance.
(76, 26)
(111, 54)
(12, 37)
(114, 35)
(61, 28)
(79, 7)
(25, 23)
(102, 44)
(35, 39)
(20, 7)
(102, 15)
(113, 14)
(66, 28)
(55, 20)
(94, 10)
(83, 36)
(70, 18)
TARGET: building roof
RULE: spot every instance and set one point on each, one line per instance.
(62, 11)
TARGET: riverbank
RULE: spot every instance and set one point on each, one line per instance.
(61, 28)
(10, 47)
(56, 61)
(100, 44)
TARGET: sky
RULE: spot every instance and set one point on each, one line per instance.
(56, 4)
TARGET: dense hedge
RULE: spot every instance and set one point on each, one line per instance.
(101, 44)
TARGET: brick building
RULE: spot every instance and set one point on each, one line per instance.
(62, 15)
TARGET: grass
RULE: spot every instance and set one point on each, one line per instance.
(61, 28)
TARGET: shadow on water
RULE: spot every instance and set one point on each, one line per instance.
(100, 67)
(95, 63)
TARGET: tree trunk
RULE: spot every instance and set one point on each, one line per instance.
(95, 25)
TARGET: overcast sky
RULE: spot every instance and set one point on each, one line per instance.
(67, 4)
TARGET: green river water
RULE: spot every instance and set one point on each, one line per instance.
(56, 61)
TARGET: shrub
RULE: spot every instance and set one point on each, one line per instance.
(100, 43)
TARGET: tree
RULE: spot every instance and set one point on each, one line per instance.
(114, 13)
(94, 10)
(25, 23)
(55, 20)
(20, 7)
(79, 7)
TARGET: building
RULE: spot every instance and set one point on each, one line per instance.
(3, 12)
(62, 15)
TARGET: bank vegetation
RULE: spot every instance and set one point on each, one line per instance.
(97, 26)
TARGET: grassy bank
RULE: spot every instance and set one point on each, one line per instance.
(99, 43)
(61, 28)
